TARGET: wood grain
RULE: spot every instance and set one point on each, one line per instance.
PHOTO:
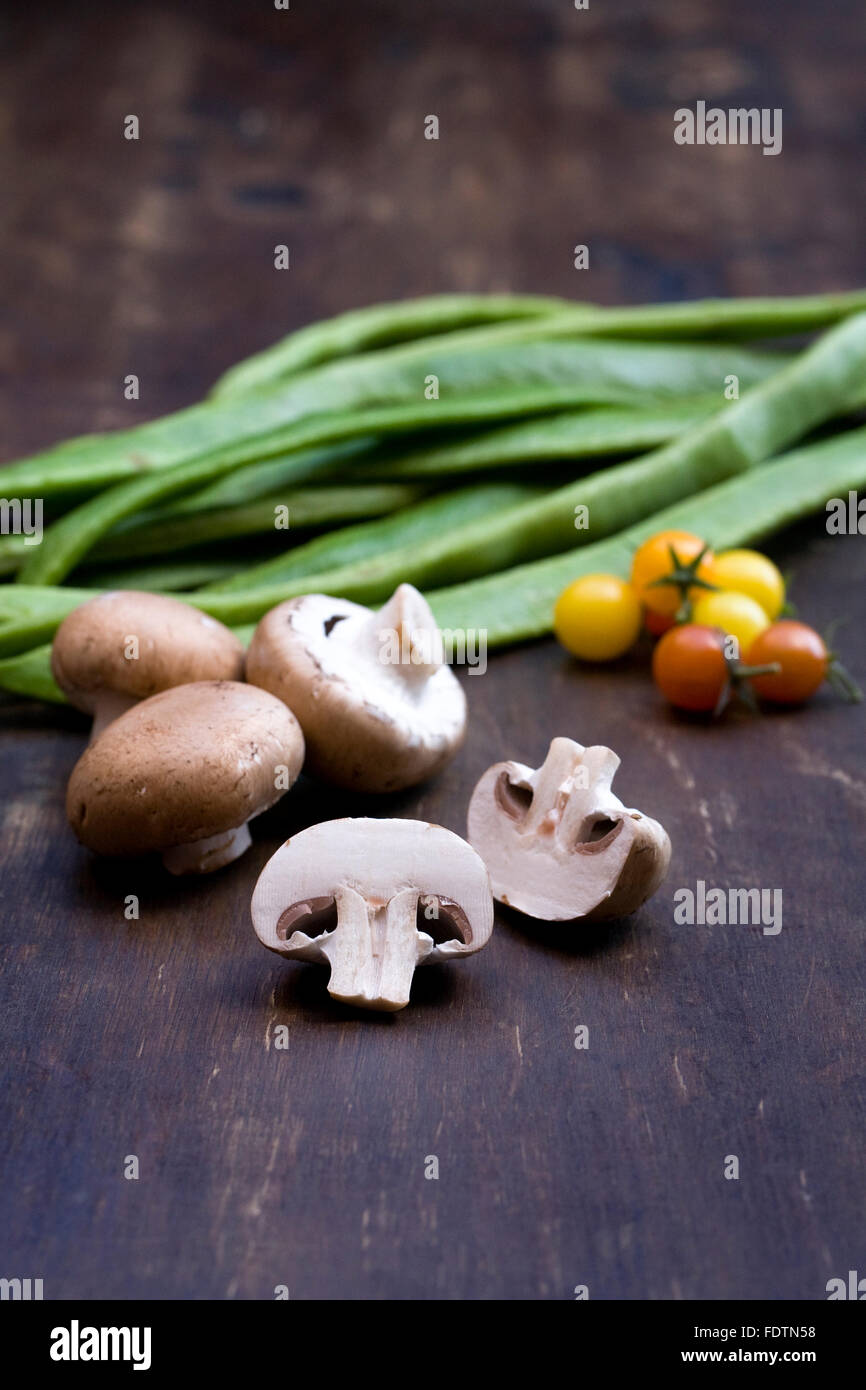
(305, 1167)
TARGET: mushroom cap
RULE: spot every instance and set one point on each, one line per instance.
(185, 765)
(369, 724)
(559, 844)
(176, 644)
(377, 860)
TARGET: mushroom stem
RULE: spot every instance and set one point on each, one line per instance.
(409, 618)
(201, 856)
(107, 707)
(567, 768)
(598, 769)
(374, 950)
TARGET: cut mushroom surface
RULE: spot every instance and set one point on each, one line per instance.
(124, 646)
(559, 843)
(182, 773)
(379, 707)
(373, 899)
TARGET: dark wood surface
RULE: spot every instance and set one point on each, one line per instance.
(305, 1167)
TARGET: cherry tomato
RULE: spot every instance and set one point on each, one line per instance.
(689, 666)
(802, 655)
(747, 572)
(652, 562)
(657, 623)
(736, 614)
(597, 618)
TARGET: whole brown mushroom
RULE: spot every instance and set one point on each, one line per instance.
(182, 774)
(124, 646)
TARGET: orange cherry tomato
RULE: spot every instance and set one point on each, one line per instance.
(802, 656)
(652, 563)
(689, 666)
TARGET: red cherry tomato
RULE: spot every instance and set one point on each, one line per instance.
(689, 666)
(802, 656)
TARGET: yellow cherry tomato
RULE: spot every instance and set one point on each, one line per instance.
(736, 614)
(747, 572)
(597, 617)
(652, 564)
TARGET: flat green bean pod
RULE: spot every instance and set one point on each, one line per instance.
(403, 532)
(359, 330)
(379, 325)
(518, 604)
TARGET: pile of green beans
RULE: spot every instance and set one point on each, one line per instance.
(517, 605)
(446, 442)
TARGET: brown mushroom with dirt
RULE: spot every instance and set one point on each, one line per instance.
(124, 646)
(183, 773)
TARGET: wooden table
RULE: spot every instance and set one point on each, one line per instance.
(305, 1166)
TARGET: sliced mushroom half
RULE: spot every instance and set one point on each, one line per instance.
(373, 899)
(559, 844)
